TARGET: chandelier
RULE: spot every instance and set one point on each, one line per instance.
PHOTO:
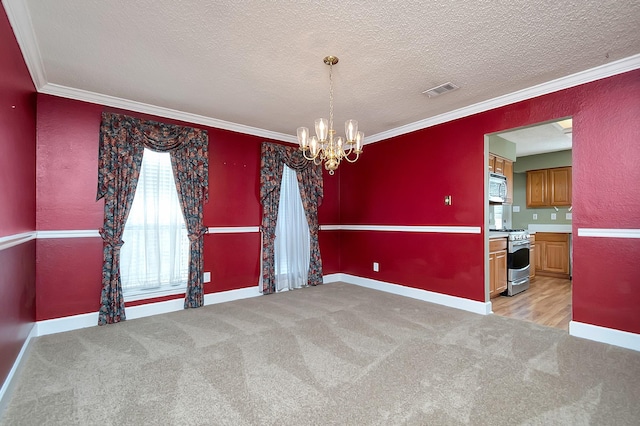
(325, 146)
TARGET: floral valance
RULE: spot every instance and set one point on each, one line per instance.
(187, 143)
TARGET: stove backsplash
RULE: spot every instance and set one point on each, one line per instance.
(500, 216)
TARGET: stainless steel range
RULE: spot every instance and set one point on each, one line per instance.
(517, 261)
(518, 265)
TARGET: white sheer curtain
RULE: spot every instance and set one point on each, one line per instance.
(292, 244)
(155, 253)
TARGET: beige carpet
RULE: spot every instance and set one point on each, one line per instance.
(334, 354)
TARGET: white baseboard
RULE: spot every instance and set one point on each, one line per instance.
(482, 308)
(231, 295)
(75, 322)
(332, 278)
(9, 383)
(605, 335)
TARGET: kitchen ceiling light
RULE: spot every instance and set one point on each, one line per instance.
(324, 146)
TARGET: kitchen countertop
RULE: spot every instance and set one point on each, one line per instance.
(540, 227)
(498, 234)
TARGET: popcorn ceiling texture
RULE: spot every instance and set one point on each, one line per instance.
(259, 63)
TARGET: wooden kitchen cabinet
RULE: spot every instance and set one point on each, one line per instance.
(560, 186)
(532, 257)
(549, 187)
(508, 172)
(492, 162)
(552, 254)
(497, 266)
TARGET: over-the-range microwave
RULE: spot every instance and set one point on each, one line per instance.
(497, 188)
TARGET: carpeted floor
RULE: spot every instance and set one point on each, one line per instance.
(333, 354)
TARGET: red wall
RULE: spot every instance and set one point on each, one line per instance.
(17, 198)
(403, 181)
(69, 269)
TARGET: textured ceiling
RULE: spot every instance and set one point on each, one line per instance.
(259, 63)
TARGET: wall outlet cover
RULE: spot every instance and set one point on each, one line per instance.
(516, 209)
(553, 216)
(206, 277)
(376, 267)
(535, 216)
(569, 216)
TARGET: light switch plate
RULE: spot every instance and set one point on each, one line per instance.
(206, 277)
(535, 216)
(553, 216)
(569, 216)
(376, 267)
(516, 209)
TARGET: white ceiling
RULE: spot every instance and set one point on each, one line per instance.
(548, 137)
(256, 66)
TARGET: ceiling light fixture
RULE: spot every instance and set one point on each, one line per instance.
(324, 146)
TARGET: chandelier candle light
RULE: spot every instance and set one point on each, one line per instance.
(324, 146)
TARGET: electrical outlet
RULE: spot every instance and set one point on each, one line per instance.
(553, 216)
(516, 209)
(206, 277)
(376, 267)
(568, 216)
(535, 216)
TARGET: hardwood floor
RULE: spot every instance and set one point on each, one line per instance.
(546, 302)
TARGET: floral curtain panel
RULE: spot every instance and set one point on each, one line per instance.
(122, 143)
(311, 191)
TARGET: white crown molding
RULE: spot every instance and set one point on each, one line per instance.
(607, 70)
(20, 20)
(609, 233)
(233, 229)
(14, 240)
(121, 103)
(611, 336)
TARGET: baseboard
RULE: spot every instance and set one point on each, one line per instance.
(75, 322)
(482, 308)
(9, 383)
(332, 278)
(611, 336)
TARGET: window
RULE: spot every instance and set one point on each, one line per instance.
(292, 244)
(155, 255)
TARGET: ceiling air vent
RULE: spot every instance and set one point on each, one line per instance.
(439, 90)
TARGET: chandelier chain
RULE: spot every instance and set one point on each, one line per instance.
(331, 96)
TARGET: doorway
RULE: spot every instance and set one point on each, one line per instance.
(540, 150)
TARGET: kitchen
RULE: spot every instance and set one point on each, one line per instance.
(530, 228)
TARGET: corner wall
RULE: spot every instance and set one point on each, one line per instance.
(17, 200)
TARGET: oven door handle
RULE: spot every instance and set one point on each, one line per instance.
(520, 243)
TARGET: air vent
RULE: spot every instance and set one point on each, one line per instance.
(439, 90)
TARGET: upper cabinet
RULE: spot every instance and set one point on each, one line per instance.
(549, 187)
(503, 166)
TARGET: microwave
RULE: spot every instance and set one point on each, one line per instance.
(497, 188)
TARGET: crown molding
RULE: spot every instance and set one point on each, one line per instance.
(607, 70)
(20, 20)
(121, 103)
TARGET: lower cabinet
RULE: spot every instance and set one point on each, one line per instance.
(497, 266)
(532, 257)
(552, 254)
